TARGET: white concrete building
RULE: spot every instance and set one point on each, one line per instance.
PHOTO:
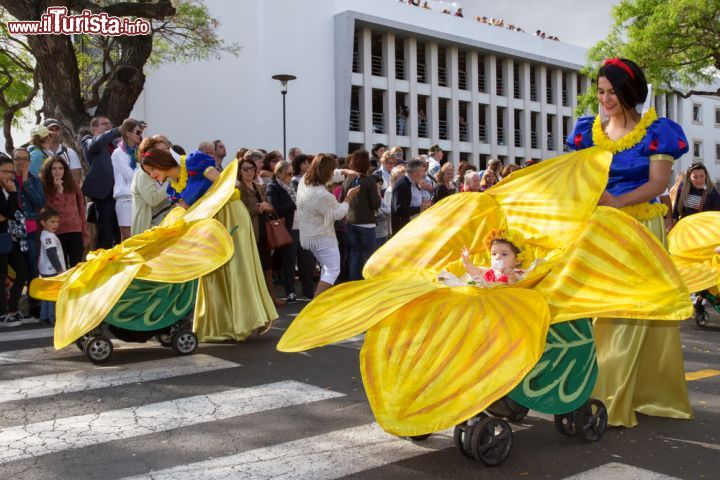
(485, 91)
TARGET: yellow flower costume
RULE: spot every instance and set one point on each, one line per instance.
(692, 243)
(435, 355)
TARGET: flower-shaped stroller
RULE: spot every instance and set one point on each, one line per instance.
(146, 286)
(694, 245)
(436, 356)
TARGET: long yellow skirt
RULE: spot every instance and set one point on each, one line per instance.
(640, 365)
(233, 300)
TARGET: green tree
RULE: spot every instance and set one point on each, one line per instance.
(104, 72)
(676, 42)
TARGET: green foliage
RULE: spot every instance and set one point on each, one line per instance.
(16, 74)
(675, 42)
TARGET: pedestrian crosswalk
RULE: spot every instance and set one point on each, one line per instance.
(316, 432)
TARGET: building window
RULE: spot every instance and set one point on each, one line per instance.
(697, 113)
(717, 153)
(697, 150)
(717, 117)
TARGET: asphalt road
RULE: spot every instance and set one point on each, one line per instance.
(247, 411)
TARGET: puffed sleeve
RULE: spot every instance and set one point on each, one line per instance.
(581, 136)
(196, 163)
(664, 139)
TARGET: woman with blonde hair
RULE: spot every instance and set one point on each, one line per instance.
(445, 184)
(696, 193)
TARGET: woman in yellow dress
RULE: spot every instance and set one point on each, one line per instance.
(233, 300)
(640, 362)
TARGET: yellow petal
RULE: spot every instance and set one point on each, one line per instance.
(616, 268)
(89, 294)
(351, 308)
(193, 252)
(173, 216)
(438, 236)
(217, 195)
(447, 355)
(692, 243)
(552, 200)
(48, 288)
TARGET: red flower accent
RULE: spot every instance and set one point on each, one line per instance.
(578, 139)
(654, 145)
(191, 173)
(681, 144)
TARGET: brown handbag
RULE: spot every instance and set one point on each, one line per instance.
(276, 233)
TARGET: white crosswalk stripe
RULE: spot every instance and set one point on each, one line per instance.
(619, 471)
(42, 438)
(321, 457)
(80, 380)
(26, 334)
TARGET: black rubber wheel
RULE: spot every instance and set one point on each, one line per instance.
(491, 441)
(702, 318)
(165, 340)
(591, 421)
(461, 436)
(98, 348)
(508, 409)
(184, 342)
(80, 342)
(565, 424)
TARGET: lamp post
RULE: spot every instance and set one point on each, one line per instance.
(284, 79)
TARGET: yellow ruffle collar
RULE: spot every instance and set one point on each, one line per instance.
(181, 182)
(601, 140)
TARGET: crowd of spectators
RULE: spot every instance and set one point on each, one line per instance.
(338, 210)
(495, 22)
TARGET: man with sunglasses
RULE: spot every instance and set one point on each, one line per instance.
(58, 149)
(99, 182)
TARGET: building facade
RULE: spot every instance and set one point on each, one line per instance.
(380, 71)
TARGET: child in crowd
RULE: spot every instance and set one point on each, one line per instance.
(52, 258)
(504, 262)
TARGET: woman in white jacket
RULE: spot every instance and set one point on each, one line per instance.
(124, 162)
(318, 209)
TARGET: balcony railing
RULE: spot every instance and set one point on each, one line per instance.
(400, 69)
(518, 137)
(550, 141)
(378, 119)
(499, 89)
(463, 132)
(549, 95)
(462, 80)
(442, 77)
(534, 140)
(481, 83)
(482, 134)
(423, 127)
(443, 130)
(356, 62)
(501, 135)
(533, 93)
(516, 89)
(421, 73)
(565, 100)
(401, 125)
(377, 65)
(355, 121)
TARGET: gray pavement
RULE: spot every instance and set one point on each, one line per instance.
(247, 411)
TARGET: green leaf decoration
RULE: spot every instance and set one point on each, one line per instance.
(151, 306)
(565, 375)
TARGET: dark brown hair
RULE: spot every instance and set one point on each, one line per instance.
(158, 159)
(512, 246)
(149, 143)
(321, 169)
(274, 156)
(47, 213)
(46, 178)
(359, 161)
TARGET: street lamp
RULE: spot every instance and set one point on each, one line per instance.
(284, 79)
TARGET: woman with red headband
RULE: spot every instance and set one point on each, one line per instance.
(640, 362)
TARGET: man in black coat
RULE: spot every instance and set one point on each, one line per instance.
(406, 197)
(99, 182)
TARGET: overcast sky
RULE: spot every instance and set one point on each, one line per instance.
(579, 22)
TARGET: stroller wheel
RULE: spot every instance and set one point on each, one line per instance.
(184, 342)
(491, 441)
(591, 420)
(98, 348)
(565, 424)
(702, 318)
(508, 409)
(461, 435)
(165, 340)
(81, 342)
